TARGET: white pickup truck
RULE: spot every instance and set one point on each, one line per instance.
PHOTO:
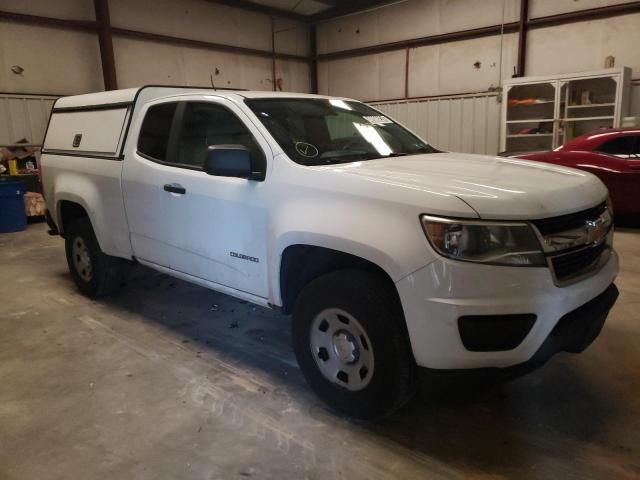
(390, 254)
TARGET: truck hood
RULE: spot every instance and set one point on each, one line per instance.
(496, 188)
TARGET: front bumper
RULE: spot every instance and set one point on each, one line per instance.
(437, 296)
(576, 330)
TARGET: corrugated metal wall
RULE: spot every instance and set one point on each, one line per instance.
(464, 123)
(24, 116)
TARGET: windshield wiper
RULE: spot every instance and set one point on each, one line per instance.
(405, 154)
(353, 156)
(339, 156)
(391, 155)
(348, 156)
(336, 160)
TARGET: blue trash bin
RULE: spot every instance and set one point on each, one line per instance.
(12, 215)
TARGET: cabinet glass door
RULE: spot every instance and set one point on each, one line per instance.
(530, 117)
(588, 105)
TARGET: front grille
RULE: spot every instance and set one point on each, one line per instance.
(573, 264)
(574, 243)
(570, 221)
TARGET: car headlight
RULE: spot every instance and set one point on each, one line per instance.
(493, 243)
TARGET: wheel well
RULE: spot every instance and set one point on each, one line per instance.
(69, 213)
(303, 263)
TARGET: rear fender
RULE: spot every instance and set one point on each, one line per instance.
(105, 214)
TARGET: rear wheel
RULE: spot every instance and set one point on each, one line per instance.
(94, 273)
(351, 343)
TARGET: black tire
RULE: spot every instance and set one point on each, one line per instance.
(105, 274)
(371, 300)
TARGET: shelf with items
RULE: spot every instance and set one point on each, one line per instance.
(593, 105)
(518, 143)
(528, 128)
(529, 102)
(576, 127)
(589, 98)
(523, 135)
(532, 120)
(588, 119)
(590, 91)
(587, 111)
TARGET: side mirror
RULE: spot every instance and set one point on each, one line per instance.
(229, 161)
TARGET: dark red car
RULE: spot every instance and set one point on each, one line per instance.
(613, 155)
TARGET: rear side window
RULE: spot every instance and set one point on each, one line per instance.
(156, 127)
(620, 146)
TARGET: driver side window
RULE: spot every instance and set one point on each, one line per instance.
(621, 146)
(205, 125)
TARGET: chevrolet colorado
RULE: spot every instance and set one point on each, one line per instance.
(390, 254)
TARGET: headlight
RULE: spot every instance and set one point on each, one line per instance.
(494, 243)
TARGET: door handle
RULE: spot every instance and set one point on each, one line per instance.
(175, 188)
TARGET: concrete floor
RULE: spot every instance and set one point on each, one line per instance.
(167, 381)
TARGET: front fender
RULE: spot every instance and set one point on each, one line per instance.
(358, 249)
(393, 240)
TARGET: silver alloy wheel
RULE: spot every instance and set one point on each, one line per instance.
(342, 349)
(82, 259)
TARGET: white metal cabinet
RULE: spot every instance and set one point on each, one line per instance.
(542, 113)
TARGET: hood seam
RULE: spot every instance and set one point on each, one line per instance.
(468, 204)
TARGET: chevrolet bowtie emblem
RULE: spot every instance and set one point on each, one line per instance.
(559, 240)
(596, 230)
(592, 232)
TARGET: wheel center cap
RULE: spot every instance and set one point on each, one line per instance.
(345, 347)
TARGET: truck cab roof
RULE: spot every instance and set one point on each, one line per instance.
(126, 96)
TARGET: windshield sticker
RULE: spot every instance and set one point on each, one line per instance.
(306, 149)
(377, 119)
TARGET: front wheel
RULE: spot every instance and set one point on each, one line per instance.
(94, 273)
(351, 343)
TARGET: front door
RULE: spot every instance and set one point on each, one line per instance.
(210, 227)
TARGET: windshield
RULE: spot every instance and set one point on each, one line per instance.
(320, 132)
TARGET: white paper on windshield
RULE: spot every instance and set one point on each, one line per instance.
(377, 119)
